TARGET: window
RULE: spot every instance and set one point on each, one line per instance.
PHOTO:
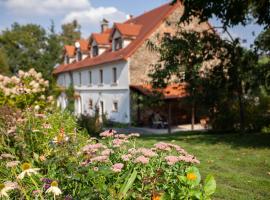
(101, 76)
(114, 71)
(80, 78)
(90, 77)
(115, 106)
(95, 51)
(117, 43)
(79, 55)
(66, 59)
(90, 105)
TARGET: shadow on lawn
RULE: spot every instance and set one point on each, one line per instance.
(254, 140)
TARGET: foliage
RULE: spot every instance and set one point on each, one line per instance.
(90, 123)
(263, 41)
(44, 154)
(4, 68)
(70, 92)
(70, 32)
(230, 12)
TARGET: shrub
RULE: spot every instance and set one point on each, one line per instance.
(25, 90)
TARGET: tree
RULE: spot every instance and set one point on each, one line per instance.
(263, 42)
(24, 46)
(230, 12)
(70, 32)
(4, 68)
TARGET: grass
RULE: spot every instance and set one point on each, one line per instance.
(239, 162)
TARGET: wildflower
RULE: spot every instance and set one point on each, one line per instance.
(27, 170)
(91, 148)
(42, 158)
(163, 146)
(118, 142)
(61, 137)
(7, 155)
(147, 152)
(142, 159)
(102, 159)
(36, 192)
(108, 133)
(95, 169)
(156, 196)
(117, 167)
(191, 176)
(7, 186)
(54, 189)
(12, 163)
(121, 136)
(126, 157)
(133, 135)
(171, 160)
(106, 152)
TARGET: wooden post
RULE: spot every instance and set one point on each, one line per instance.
(169, 117)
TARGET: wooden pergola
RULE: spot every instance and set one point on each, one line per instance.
(170, 94)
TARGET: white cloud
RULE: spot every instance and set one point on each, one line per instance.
(92, 16)
(45, 7)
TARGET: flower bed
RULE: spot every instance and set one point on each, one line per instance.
(44, 155)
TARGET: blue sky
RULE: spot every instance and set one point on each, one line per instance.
(89, 13)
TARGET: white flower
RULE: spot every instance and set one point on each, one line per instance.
(37, 107)
(12, 163)
(54, 189)
(7, 186)
(27, 170)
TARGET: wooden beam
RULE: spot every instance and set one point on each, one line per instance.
(169, 117)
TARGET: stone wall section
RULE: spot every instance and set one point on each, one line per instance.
(141, 62)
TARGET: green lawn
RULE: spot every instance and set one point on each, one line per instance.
(240, 163)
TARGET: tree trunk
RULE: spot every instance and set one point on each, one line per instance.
(169, 117)
(192, 115)
(241, 109)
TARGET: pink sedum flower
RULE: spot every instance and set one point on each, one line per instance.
(108, 133)
(126, 157)
(102, 159)
(163, 146)
(171, 160)
(117, 167)
(142, 160)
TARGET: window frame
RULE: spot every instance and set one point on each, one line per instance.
(80, 79)
(115, 106)
(118, 43)
(95, 50)
(90, 80)
(90, 104)
(101, 80)
(114, 75)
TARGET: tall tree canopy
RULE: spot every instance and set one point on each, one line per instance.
(70, 32)
(4, 68)
(230, 12)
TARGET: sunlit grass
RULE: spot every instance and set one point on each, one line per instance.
(239, 162)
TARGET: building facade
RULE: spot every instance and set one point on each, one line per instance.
(104, 68)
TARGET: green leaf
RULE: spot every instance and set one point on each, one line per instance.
(128, 184)
(195, 171)
(209, 185)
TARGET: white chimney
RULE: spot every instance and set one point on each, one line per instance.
(129, 16)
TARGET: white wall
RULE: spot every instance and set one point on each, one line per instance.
(108, 92)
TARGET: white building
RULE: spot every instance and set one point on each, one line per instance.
(106, 68)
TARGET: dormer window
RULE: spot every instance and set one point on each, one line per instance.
(66, 59)
(79, 55)
(95, 51)
(118, 43)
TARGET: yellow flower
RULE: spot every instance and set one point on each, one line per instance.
(156, 196)
(191, 176)
(27, 170)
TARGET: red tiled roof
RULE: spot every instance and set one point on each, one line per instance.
(69, 50)
(148, 21)
(84, 45)
(173, 91)
(128, 29)
(101, 38)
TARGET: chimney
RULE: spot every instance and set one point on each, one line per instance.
(104, 25)
(129, 16)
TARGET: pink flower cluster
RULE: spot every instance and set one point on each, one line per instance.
(142, 160)
(126, 157)
(117, 167)
(107, 152)
(92, 148)
(101, 159)
(119, 142)
(108, 133)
